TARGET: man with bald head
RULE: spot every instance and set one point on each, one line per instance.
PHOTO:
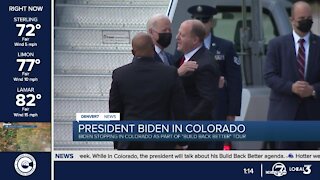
(142, 45)
(146, 90)
(292, 71)
(201, 86)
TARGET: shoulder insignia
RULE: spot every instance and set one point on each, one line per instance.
(236, 60)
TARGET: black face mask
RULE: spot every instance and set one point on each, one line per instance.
(305, 25)
(164, 39)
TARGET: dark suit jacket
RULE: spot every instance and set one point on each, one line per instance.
(146, 90)
(229, 98)
(281, 72)
(201, 86)
(169, 56)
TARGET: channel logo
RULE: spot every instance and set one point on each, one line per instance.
(25, 164)
(278, 169)
(305, 169)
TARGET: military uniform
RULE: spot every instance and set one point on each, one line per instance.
(229, 97)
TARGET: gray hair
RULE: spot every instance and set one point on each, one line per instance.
(152, 22)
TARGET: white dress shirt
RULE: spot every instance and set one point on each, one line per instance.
(207, 41)
(191, 53)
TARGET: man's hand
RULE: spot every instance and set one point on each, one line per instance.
(187, 67)
(231, 118)
(178, 147)
(298, 87)
(221, 82)
(302, 89)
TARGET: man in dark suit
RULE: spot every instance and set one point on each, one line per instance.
(201, 86)
(230, 87)
(159, 28)
(292, 71)
(146, 90)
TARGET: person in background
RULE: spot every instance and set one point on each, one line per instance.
(230, 85)
(292, 71)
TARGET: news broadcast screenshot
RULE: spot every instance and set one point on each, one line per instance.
(160, 89)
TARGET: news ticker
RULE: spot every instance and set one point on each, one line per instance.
(192, 170)
(203, 155)
(197, 164)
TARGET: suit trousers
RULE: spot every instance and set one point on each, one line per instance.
(301, 115)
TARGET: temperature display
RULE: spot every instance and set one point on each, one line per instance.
(27, 29)
(27, 100)
(30, 62)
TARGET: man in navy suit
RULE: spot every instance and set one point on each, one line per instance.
(292, 71)
(201, 85)
(230, 87)
(146, 90)
(159, 28)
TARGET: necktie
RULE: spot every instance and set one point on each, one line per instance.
(164, 57)
(301, 59)
(182, 60)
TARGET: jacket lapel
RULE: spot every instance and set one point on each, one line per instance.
(292, 54)
(213, 45)
(157, 57)
(313, 54)
(199, 52)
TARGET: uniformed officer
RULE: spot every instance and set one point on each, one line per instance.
(229, 99)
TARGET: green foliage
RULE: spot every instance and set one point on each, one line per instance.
(8, 139)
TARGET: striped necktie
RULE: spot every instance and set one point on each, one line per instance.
(301, 59)
(164, 57)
